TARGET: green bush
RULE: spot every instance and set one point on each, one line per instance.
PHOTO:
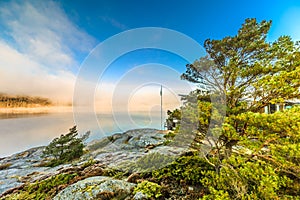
(65, 148)
(170, 135)
(241, 179)
(45, 189)
(148, 188)
(188, 168)
(88, 163)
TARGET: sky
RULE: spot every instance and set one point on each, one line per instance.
(46, 46)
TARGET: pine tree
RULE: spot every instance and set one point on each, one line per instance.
(66, 148)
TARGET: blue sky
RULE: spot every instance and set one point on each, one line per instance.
(44, 43)
(198, 19)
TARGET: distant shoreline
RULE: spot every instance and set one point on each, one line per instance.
(36, 110)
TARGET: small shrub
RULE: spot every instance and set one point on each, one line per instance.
(89, 163)
(166, 142)
(148, 188)
(170, 135)
(5, 166)
(114, 173)
(65, 148)
(188, 168)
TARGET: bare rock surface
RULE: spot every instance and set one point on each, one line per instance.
(23, 167)
(96, 188)
(130, 146)
(111, 152)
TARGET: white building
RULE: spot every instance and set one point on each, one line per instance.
(271, 108)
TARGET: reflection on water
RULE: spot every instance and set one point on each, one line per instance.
(19, 132)
(20, 115)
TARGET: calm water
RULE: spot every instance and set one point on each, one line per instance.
(20, 132)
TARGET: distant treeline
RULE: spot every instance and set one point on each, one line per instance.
(10, 101)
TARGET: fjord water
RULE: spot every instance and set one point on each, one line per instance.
(19, 132)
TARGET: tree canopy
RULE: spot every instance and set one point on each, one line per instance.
(251, 71)
(255, 155)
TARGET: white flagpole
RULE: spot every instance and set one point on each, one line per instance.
(161, 123)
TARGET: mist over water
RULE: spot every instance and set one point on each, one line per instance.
(19, 132)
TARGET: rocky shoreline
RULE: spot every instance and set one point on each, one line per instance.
(96, 171)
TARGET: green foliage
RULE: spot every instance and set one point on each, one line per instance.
(246, 66)
(45, 189)
(172, 116)
(148, 163)
(170, 135)
(265, 161)
(256, 156)
(187, 168)
(65, 148)
(115, 173)
(245, 180)
(216, 195)
(111, 172)
(88, 163)
(167, 142)
(148, 188)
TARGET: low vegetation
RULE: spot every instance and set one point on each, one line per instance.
(65, 148)
(148, 188)
(4, 166)
(147, 163)
(10, 101)
(45, 189)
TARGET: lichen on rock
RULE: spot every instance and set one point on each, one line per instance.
(94, 187)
